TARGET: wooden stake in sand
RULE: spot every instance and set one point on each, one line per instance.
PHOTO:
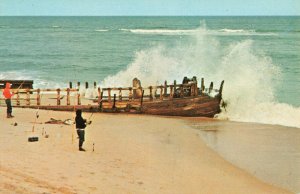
(36, 117)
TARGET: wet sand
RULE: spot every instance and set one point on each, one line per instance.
(132, 154)
(269, 152)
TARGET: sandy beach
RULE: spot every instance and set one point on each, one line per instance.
(132, 154)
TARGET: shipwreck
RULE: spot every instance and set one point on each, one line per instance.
(185, 99)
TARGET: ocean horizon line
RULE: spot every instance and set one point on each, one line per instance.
(150, 15)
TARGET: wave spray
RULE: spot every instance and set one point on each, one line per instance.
(248, 74)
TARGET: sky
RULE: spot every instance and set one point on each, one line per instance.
(148, 7)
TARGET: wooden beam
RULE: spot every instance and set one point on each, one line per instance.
(68, 96)
(211, 86)
(78, 99)
(151, 95)
(58, 96)
(165, 88)
(38, 97)
(109, 95)
(120, 94)
(130, 93)
(28, 97)
(202, 85)
(99, 95)
(161, 97)
(114, 103)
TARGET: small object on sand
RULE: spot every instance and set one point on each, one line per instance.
(93, 147)
(46, 135)
(56, 121)
(33, 139)
(69, 122)
(14, 124)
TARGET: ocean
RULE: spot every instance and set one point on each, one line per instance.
(258, 57)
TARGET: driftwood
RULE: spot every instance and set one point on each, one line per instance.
(60, 122)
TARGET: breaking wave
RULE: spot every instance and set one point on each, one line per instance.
(160, 31)
(248, 74)
(221, 32)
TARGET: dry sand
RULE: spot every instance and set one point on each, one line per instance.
(133, 154)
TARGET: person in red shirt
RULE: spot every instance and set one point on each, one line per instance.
(7, 94)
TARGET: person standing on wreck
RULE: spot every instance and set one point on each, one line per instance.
(80, 126)
(7, 94)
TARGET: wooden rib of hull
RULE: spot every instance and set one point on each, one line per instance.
(204, 106)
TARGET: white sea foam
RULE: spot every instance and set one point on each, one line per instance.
(221, 32)
(160, 31)
(22, 75)
(235, 30)
(55, 26)
(248, 75)
(101, 30)
(90, 93)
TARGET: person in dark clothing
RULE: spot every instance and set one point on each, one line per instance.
(80, 126)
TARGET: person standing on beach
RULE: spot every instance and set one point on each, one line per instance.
(80, 126)
(7, 94)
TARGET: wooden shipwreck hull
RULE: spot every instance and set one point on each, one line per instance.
(186, 99)
(203, 106)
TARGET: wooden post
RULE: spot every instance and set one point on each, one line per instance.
(27, 97)
(174, 85)
(18, 99)
(171, 92)
(100, 103)
(142, 98)
(130, 94)
(58, 96)
(86, 85)
(192, 89)
(161, 97)
(95, 85)
(151, 95)
(114, 104)
(109, 94)
(221, 89)
(195, 86)
(196, 89)
(202, 85)
(70, 85)
(211, 86)
(181, 91)
(68, 96)
(120, 94)
(78, 99)
(78, 85)
(165, 88)
(38, 97)
(99, 95)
